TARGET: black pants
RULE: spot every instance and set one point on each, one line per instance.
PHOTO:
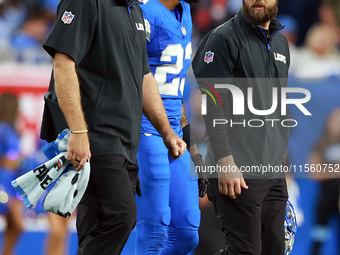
(107, 213)
(253, 223)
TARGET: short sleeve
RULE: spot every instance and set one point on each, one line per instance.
(146, 62)
(74, 29)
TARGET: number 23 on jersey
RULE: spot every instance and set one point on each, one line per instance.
(175, 70)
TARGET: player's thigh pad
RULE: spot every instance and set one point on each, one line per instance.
(184, 201)
(154, 173)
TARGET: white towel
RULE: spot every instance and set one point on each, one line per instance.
(67, 192)
(69, 187)
(33, 184)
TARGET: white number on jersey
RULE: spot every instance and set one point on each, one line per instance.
(172, 50)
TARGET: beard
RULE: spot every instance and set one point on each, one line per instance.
(260, 17)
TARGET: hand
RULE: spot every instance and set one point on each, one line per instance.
(230, 182)
(203, 182)
(175, 145)
(78, 150)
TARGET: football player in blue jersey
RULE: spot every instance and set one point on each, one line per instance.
(168, 214)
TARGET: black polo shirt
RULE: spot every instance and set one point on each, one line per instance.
(246, 56)
(106, 39)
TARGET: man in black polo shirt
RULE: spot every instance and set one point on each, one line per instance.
(247, 52)
(101, 74)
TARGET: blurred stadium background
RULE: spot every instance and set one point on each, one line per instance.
(313, 32)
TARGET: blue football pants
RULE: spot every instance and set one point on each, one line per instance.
(168, 214)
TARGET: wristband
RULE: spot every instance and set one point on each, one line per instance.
(188, 138)
(197, 159)
(79, 132)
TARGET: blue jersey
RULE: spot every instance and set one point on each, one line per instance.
(9, 148)
(9, 141)
(169, 51)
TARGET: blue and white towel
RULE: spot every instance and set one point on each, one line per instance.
(69, 187)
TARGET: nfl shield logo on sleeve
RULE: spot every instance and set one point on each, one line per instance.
(67, 17)
(209, 57)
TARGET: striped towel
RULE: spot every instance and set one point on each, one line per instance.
(69, 185)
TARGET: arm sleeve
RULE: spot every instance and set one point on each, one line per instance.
(74, 29)
(221, 66)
